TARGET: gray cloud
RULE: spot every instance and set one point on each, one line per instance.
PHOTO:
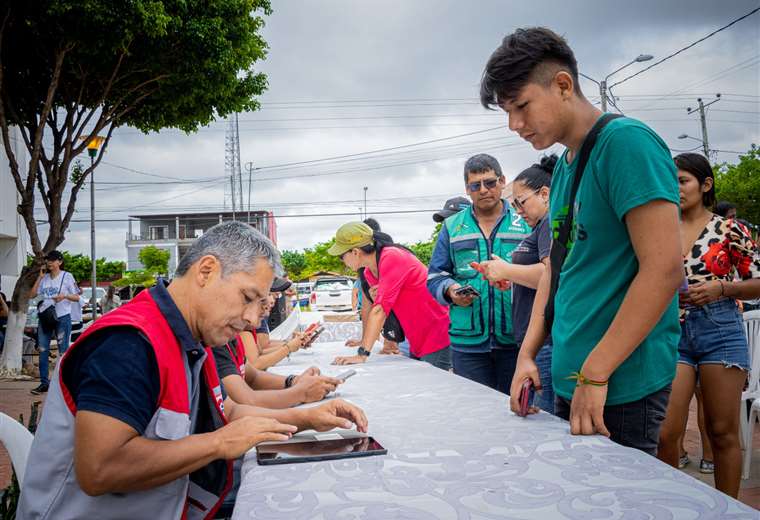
(344, 50)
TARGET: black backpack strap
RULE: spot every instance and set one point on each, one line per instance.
(559, 248)
(365, 285)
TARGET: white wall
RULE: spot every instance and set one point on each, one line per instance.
(12, 230)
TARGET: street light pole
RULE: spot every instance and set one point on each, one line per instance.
(249, 167)
(365, 202)
(603, 89)
(92, 149)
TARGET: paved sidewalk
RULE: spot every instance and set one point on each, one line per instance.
(15, 399)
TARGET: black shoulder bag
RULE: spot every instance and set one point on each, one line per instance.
(392, 329)
(48, 319)
(559, 243)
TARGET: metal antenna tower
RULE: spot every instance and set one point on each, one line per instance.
(233, 190)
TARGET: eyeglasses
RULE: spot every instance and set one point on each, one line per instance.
(488, 183)
(520, 204)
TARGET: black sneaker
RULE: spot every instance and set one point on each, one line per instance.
(40, 390)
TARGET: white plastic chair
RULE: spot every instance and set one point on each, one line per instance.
(17, 441)
(752, 393)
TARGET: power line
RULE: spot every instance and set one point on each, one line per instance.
(679, 51)
(310, 215)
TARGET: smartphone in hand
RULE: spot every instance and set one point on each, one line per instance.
(314, 336)
(467, 290)
(525, 391)
(345, 375)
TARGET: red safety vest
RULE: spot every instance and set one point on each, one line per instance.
(50, 488)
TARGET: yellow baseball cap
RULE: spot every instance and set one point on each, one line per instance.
(349, 236)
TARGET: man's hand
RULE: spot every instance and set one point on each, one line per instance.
(703, 293)
(390, 347)
(462, 301)
(354, 343)
(336, 414)
(526, 368)
(311, 371)
(315, 388)
(240, 435)
(587, 410)
(349, 360)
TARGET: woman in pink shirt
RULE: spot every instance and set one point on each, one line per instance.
(401, 288)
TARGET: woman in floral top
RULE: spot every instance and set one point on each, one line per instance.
(721, 265)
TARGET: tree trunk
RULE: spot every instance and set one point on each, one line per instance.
(10, 361)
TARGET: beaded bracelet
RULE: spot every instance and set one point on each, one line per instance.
(580, 380)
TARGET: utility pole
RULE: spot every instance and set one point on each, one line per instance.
(703, 121)
(603, 94)
(249, 167)
(365, 203)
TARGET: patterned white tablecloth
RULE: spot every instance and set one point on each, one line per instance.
(456, 452)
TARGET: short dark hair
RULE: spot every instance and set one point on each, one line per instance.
(481, 163)
(538, 175)
(698, 165)
(723, 207)
(528, 55)
(372, 223)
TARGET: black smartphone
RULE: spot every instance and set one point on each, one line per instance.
(467, 290)
(313, 451)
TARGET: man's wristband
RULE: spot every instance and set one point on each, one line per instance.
(289, 380)
(581, 380)
(363, 352)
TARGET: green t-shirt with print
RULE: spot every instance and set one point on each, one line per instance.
(629, 166)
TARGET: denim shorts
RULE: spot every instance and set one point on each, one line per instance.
(714, 335)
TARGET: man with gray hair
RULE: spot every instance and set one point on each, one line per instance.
(483, 346)
(136, 423)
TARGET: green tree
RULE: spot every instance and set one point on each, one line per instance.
(74, 70)
(318, 260)
(155, 260)
(424, 249)
(740, 184)
(294, 264)
(80, 267)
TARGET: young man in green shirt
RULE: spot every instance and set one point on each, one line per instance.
(615, 327)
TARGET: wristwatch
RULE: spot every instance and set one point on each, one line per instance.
(363, 352)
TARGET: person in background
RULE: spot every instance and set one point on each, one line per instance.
(615, 323)
(356, 296)
(451, 207)
(57, 288)
(110, 300)
(481, 332)
(725, 209)
(261, 352)
(530, 199)
(400, 280)
(721, 263)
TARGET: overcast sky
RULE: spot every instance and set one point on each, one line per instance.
(348, 77)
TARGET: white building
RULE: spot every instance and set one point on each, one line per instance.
(12, 230)
(175, 232)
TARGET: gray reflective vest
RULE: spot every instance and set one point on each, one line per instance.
(491, 313)
(50, 489)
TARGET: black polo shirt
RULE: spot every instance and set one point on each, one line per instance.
(114, 372)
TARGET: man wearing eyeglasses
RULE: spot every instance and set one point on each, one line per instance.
(482, 342)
